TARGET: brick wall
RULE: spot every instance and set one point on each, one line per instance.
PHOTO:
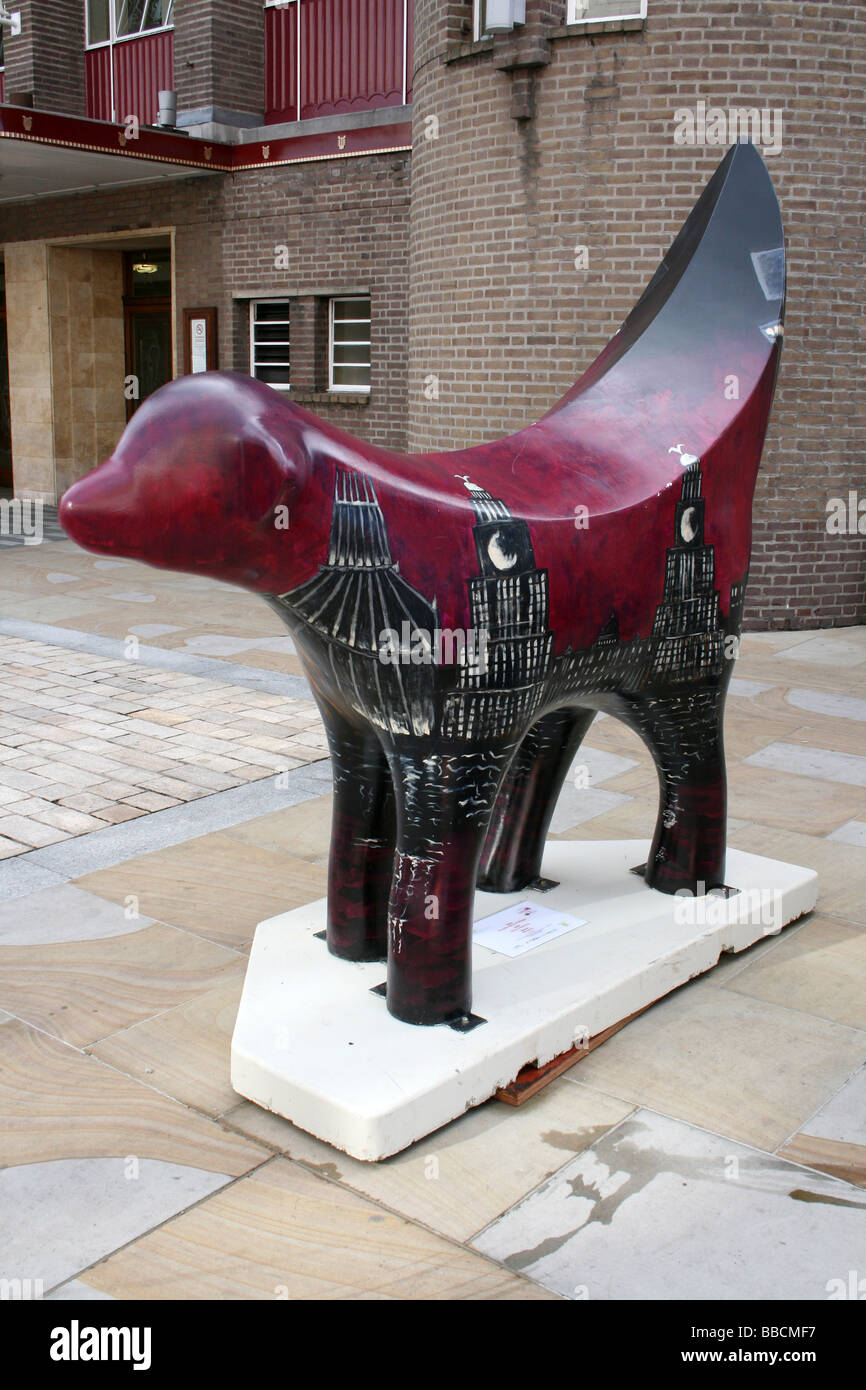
(345, 226)
(46, 60)
(345, 223)
(219, 55)
(500, 315)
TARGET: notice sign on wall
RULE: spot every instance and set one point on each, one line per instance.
(199, 340)
(198, 345)
(522, 927)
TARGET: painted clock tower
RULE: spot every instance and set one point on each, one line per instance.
(687, 634)
(509, 605)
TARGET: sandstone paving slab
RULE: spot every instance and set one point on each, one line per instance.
(661, 1209)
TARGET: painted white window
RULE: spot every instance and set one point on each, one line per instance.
(349, 350)
(581, 10)
(108, 20)
(269, 342)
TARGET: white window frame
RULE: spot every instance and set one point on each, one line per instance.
(637, 11)
(367, 342)
(114, 37)
(274, 385)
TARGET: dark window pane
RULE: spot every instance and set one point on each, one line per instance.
(351, 376)
(274, 376)
(276, 312)
(137, 16)
(129, 15)
(351, 309)
(272, 333)
(97, 21)
(351, 332)
(354, 354)
(277, 353)
(157, 14)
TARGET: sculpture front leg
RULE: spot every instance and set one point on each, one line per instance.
(362, 842)
(444, 802)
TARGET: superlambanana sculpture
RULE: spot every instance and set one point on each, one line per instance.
(462, 616)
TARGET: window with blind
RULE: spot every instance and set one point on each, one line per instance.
(349, 353)
(269, 342)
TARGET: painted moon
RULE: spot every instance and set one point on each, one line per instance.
(501, 559)
(688, 524)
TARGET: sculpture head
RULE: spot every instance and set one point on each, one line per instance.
(204, 479)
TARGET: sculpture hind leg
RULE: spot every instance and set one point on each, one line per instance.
(515, 841)
(362, 841)
(684, 734)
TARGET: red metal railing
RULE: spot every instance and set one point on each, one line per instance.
(281, 64)
(355, 55)
(97, 77)
(125, 78)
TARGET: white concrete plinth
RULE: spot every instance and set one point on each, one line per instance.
(313, 1044)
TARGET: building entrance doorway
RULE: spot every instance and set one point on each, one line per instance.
(147, 322)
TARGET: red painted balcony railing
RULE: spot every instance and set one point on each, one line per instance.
(97, 76)
(125, 78)
(281, 64)
(323, 57)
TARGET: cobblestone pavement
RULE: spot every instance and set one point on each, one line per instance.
(87, 742)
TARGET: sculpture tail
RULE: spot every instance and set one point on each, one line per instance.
(697, 357)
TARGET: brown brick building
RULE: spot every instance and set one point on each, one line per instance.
(431, 297)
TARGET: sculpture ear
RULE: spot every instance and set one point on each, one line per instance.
(268, 474)
(703, 334)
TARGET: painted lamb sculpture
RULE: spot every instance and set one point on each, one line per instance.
(462, 617)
